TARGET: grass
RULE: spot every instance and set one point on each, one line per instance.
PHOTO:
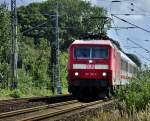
(114, 115)
(29, 92)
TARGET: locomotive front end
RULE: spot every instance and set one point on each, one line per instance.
(88, 68)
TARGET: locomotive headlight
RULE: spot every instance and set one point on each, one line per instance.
(76, 73)
(104, 74)
(90, 61)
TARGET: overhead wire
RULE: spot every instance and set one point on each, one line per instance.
(148, 59)
(115, 0)
(144, 13)
(138, 45)
(131, 24)
(113, 20)
(136, 10)
(134, 26)
(116, 28)
(128, 14)
(123, 27)
(143, 10)
(28, 30)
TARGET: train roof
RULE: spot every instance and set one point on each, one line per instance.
(93, 42)
(125, 57)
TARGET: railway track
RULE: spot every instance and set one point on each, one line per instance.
(22, 103)
(50, 111)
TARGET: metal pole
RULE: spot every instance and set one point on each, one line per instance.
(14, 55)
(59, 89)
(53, 60)
(55, 77)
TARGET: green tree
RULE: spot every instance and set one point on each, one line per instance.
(4, 44)
(75, 17)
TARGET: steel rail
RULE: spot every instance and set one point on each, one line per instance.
(63, 111)
(24, 103)
(18, 100)
(8, 115)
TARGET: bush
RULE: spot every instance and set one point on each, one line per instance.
(137, 95)
(15, 93)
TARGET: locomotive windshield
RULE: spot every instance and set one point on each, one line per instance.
(91, 52)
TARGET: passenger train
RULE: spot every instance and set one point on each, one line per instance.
(97, 67)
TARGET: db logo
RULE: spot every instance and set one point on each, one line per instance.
(89, 66)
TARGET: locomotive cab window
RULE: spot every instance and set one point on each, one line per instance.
(91, 52)
(99, 53)
(82, 52)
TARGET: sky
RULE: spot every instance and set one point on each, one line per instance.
(141, 18)
(127, 37)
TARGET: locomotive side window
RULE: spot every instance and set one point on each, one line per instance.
(90, 53)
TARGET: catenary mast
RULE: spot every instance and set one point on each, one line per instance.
(14, 54)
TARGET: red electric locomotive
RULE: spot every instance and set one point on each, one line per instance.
(95, 67)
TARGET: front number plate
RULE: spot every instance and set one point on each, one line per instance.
(90, 66)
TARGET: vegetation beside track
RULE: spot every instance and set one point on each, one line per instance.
(114, 115)
(134, 101)
(136, 96)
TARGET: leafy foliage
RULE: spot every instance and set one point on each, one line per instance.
(137, 96)
(4, 45)
(75, 17)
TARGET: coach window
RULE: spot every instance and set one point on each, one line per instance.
(132, 71)
(122, 64)
(126, 66)
(130, 68)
